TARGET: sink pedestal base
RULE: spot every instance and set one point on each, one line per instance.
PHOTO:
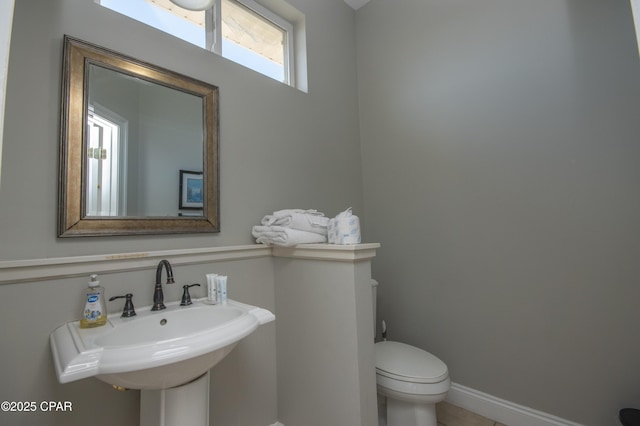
(183, 405)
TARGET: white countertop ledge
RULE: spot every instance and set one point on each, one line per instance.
(16, 271)
(335, 252)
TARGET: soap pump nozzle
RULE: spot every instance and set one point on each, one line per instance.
(93, 280)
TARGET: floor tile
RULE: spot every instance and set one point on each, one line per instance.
(450, 415)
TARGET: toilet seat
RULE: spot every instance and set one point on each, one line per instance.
(406, 363)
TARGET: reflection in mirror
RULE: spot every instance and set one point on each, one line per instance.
(129, 130)
(140, 135)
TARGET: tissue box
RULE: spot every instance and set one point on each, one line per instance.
(344, 229)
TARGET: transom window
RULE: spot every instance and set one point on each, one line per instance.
(240, 30)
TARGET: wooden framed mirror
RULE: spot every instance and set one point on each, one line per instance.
(129, 130)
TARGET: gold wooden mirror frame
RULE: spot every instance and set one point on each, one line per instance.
(73, 219)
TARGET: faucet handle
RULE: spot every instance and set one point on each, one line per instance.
(129, 310)
(186, 297)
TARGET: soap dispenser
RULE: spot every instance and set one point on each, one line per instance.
(94, 308)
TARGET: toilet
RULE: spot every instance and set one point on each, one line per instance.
(411, 381)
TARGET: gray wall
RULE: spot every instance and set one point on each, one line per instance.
(160, 157)
(278, 145)
(277, 150)
(502, 136)
(500, 147)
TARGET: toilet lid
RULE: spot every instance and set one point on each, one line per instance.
(407, 363)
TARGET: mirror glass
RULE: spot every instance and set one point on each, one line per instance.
(140, 135)
(139, 147)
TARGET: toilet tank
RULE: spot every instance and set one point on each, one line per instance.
(374, 301)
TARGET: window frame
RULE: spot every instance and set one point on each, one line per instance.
(213, 35)
(213, 25)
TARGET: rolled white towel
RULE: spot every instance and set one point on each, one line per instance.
(302, 220)
(281, 236)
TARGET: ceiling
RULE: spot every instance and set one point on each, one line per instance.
(356, 4)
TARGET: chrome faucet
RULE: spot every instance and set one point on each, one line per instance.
(158, 295)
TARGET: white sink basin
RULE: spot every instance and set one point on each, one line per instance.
(154, 350)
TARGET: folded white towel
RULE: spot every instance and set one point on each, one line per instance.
(302, 220)
(281, 236)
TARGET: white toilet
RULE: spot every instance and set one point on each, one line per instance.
(411, 380)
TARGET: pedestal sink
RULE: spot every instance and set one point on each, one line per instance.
(162, 352)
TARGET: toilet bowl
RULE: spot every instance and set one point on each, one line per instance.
(411, 380)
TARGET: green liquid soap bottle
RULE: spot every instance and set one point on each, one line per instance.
(94, 308)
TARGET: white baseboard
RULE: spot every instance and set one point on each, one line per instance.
(500, 410)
